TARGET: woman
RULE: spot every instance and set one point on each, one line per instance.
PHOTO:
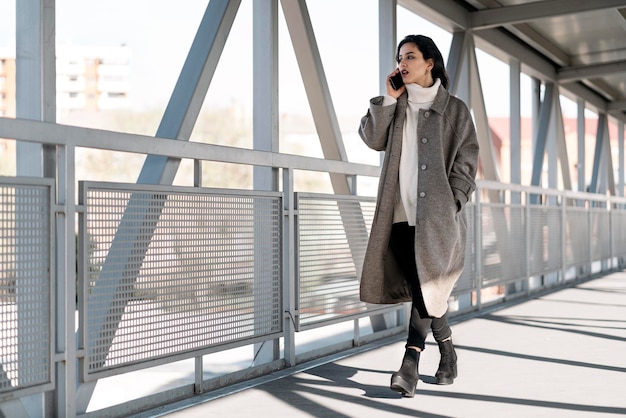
(416, 248)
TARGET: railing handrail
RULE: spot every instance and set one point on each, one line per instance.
(80, 137)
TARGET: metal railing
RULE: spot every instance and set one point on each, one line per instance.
(26, 286)
(167, 273)
(173, 272)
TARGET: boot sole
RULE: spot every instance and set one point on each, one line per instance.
(399, 384)
(447, 380)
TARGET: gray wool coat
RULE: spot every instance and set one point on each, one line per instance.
(448, 161)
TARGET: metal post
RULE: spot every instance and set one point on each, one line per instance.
(478, 245)
(265, 137)
(527, 235)
(620, 144)
(515, 128)
(582, 183)
(563, 237)
(35, 85)
(387, 23)
(289, 240)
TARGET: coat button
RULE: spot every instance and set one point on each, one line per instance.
(422, 194)
(426, 114)
(423, 166)
(424, 140)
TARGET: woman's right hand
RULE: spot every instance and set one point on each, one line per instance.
(390, 90)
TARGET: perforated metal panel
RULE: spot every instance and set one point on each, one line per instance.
(576, 237)
(491, 257)
(503, 244)
(545, 240)
(332, 239)
(600, 230)
(517, 253)
(174, 271)
(25, 284)
(618, 232)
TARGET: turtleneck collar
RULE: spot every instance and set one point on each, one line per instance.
(419, 94)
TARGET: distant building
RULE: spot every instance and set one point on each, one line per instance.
(93, 78)
(7, 84)
(88, 78)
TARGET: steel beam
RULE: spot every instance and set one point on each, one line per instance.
(446, 13)
(515, 128)
(603, 170)
(387, 41)
(561, 145)
(620, 153)
(323, 111)
(533, 63)
(500, 16)
(541, 138)
(597, 156)
(316, 86)
(193, 83)
(477, 104)
(457, 66)
(529, 35)
(177, 123)
(616, 106)
(610, 176)
(594, 101)
(580, 72)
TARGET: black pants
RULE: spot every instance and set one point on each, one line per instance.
(402, 245)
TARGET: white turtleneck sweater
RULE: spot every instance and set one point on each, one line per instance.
(419, 98)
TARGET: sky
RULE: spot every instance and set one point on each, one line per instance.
(160, 32)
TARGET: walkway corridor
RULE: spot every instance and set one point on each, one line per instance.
(561, 354)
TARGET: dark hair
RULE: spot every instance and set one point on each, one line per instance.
(429, 51)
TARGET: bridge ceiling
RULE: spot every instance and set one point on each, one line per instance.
(583, 41)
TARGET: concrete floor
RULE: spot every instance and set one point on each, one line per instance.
(561, 354)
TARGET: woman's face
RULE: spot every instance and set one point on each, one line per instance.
(413, 67)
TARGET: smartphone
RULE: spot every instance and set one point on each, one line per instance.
(396, 81)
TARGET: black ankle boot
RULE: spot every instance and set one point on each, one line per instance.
(405, 379)
(447, 365)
